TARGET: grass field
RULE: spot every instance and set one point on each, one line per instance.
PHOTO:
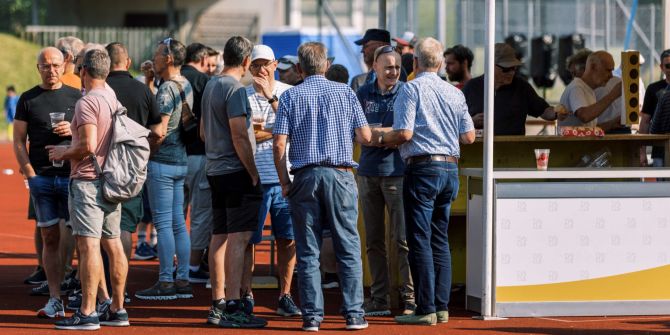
(18, 68)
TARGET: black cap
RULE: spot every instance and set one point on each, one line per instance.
(375, 35)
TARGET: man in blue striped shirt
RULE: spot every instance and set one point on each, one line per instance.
(430, 117)
(322, 119)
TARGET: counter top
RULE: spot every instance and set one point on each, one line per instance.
(571, 173)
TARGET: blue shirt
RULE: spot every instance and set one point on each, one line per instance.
(319, 116)
(437, 114)
(10, 107)
(378, 108)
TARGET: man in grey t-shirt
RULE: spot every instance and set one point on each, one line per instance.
(234, 181)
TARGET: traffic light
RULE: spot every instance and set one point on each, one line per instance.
(567, 46)
(542, 63)
(630, 76)
(520, 44)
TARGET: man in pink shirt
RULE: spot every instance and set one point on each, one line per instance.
(95, 221)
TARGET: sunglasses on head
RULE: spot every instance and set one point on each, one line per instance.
(385, 50)
(506, 69)
(167, 42)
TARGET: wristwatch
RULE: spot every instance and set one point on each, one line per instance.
(273, 99)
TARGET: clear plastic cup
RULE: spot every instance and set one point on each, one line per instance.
(542, 159)
(56, 118)
(61, 162)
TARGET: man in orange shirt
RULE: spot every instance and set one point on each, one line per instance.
(70, 46)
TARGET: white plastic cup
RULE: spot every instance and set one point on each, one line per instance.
(56, 118)
(542, 159)
(61, 162)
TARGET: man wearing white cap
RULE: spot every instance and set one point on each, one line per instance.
(263, 97)
(405, 44)
(288, 70)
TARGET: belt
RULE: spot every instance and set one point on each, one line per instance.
(339, 168)
(431, 158)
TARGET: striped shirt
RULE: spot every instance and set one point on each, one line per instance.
(262, 109)
(436, 113)
(319, 116)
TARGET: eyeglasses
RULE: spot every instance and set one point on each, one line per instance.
(506, 69)
(48, 67)
(258, 66)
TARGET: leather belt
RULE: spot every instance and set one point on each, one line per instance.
(431, 158)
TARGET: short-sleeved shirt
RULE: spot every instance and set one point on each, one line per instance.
(224, 98)
(169, 101)
(319, 116)
(378, 108)
(34, 107)
(72, 80)
(613, 111)
(577, 95)
(198, 82)
(437, 114)
(654, 92)
(512, 104)
(95, 108)
(262, 109)
(136, 97)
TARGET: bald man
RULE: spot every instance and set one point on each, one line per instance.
(48, 180)
(579, 97)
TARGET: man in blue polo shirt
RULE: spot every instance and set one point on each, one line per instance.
(379, 180)
(430, 117)
(322, 118)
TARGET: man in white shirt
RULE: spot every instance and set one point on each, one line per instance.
(579, 97)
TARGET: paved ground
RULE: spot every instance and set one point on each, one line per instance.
(17, 308)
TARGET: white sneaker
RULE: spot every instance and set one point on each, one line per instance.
(53, 309)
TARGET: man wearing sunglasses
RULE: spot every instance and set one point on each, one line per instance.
(654, 92)
(515, 99)
(379, 180)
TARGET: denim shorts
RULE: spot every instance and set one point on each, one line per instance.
(50, 198)
(280, 214)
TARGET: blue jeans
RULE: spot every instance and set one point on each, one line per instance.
(429, 190)
(326, 197)
(50, 198)
(280, 214)
(166, 197)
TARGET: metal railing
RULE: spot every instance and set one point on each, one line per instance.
(139, 41)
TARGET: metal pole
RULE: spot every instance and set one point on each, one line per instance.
(505, 18)
(608, 17)
(172, 24)
(442, 22)
(382, 14)
(487, 294)
(410, 16)
(531, 29)
(593, 23)
(35, 11)
(319, 18)
(666, 24)
(652, 61)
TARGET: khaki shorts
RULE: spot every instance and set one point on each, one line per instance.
(91, 215)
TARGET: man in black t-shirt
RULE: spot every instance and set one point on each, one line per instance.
(143, 109)
(48, 180)
(651, 99)
(196, 186)
(514, 100)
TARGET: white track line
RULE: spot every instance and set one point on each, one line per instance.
(606, 319)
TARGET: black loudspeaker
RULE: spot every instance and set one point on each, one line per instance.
(520, 44)
(542, 63)
(567, 46)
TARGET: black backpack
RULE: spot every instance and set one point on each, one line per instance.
(188, 123)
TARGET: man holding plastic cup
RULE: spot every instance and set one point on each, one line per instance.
(48, 182)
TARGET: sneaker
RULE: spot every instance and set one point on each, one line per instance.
(311, 325)
(43, 289)
(53, 309)
(287, 307)
(356, 323)
(442, 316)
(414, 319)
(103, 307)
(114, 319)
(410, 307)
(69, 284)
(37, 277)
(184, 291)
(198, 277)
(240, 319)
(248, 303)
(126, 298)
(330, 280)
(158, 292)
(79, 321)
(214, 316)
(74, 300)
(374, 308)
(144, 252)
